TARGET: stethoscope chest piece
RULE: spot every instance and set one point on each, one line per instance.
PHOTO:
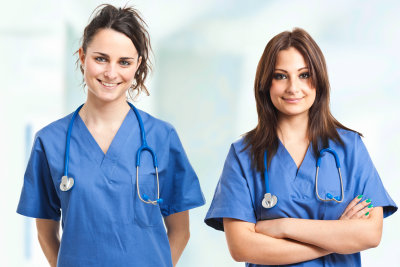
(269, 201)
(66, 183)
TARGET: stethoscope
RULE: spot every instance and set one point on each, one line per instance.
(270, 200)
(68, 182)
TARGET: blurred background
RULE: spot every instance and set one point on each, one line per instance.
(205, 57)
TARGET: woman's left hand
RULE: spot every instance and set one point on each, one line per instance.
(273, 228)
(357, 209)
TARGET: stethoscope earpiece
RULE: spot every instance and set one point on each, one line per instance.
(330, 196)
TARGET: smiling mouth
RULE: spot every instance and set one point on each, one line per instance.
(108, 85)
(292, 100)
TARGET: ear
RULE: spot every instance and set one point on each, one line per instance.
(81, 56)
(139, 61)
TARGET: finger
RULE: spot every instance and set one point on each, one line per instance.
(352, 204)
(351, 211)
(364, 213)
(358, 207)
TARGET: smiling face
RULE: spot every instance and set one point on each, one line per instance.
(109, 64)
(291, 91)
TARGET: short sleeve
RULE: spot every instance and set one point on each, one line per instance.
(371, 185)
(181, 190)
(39, 197)
(232, 198)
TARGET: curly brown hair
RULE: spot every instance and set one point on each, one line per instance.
(127, 21)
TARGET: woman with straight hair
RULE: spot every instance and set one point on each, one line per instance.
(114, 174)
(300, 189)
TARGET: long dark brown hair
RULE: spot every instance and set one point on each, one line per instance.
(127, 21)
(322, 126)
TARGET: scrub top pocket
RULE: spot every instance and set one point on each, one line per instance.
(146, 215)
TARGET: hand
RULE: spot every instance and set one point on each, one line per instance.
(273, 228)
(357, 209)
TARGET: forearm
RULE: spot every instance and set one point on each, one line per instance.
(49, 239)
(245, 245)
(50, 247)
(340, 236)
(177, 225)
(177, 242)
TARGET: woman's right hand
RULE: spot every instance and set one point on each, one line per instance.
(357, 209)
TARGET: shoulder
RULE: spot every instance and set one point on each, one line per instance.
(349, 138)
(347, 134)
(352, 146)
(240, 151)
(157, 128)
(55, 129)
(155, 122)
(239, 146)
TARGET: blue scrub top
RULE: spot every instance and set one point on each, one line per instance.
(241, 189)
(104, 221)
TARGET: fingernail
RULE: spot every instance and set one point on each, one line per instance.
(366, 214)
(368, 200)
(360, 196)
(370, 206)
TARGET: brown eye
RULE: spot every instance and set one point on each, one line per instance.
(305, 75)
(279, 76)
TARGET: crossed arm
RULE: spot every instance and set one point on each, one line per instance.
(290, 240)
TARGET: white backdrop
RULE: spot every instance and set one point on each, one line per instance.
(206, 53)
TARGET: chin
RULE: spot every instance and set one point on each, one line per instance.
(294, 113)
(108, 98)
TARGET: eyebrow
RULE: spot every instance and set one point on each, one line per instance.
(107, 56)
(297, 70)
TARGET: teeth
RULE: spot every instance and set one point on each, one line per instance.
(109, 84)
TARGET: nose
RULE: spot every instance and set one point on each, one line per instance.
(110, 72)
(293, 86)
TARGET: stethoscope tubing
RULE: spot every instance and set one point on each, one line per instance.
(337, 161)
(318, 164)
(144, 146)
(67, 145)
(266, 178)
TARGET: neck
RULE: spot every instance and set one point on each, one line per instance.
(104, 113)
(293, 128)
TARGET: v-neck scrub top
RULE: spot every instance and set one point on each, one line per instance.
(104, 221)
(241, 189)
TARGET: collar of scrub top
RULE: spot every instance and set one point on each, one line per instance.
(68, 182)
(270, 200)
